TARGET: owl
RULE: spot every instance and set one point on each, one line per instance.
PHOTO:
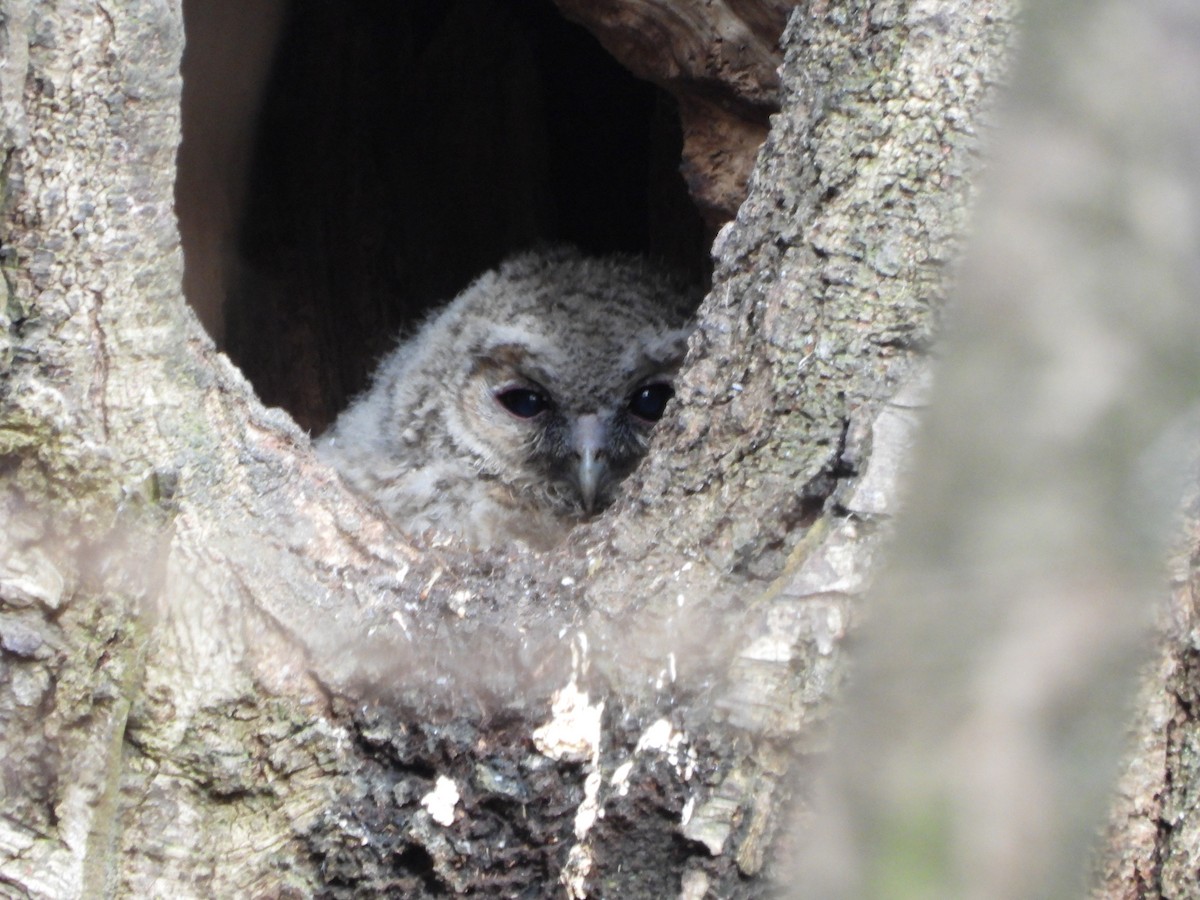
(515, 411)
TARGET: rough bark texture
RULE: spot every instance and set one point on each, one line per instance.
(225, 676)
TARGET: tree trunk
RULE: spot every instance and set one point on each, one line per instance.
(981, 741)
(224, 675)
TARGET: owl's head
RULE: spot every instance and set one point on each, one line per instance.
(562, 383)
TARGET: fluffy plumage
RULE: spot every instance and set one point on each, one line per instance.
(515, 411)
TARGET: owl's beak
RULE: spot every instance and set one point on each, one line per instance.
(590, 437)
(590, 470)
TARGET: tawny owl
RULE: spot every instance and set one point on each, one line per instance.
(515, 411)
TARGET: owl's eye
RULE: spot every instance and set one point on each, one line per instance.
(522, 402)
(650, 402)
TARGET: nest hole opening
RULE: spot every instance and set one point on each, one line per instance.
(345, 167)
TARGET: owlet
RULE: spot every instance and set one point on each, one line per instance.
(514, 412)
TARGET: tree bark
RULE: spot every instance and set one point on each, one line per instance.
(224, 675)
(997, 672)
